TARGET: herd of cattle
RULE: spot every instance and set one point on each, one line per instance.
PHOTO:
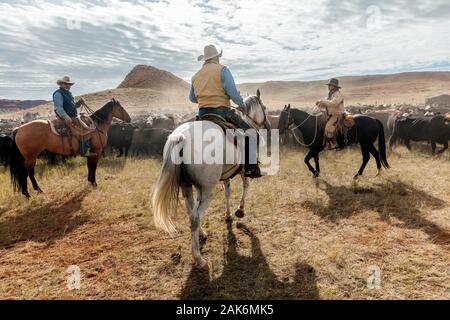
(147, 134)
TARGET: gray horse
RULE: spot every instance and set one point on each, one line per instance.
(203, 176)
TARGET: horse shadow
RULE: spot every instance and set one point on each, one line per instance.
(392, 199)
(245, 277)
(45, 224)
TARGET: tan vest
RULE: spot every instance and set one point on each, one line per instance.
(208, 86)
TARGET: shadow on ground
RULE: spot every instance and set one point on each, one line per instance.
(46, 223)
(249, 277)
(390, 199)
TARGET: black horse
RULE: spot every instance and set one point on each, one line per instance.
(365, 132)
(6, 142)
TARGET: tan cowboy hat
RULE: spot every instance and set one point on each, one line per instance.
(65, 80)
(334, 82)
(209, 52)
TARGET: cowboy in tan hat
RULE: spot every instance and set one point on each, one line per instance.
(66, 109)
(334, 106)
(212, 88)
(65, 106)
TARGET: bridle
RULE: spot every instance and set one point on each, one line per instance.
(253, 122)
(292, 129)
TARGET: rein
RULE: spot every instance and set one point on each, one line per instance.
(292, 129)
(91, 113)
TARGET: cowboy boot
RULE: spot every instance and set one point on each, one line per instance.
(333, 144)
(330, 144)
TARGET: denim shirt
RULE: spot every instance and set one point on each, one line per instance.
(228, 85)
(58, 102)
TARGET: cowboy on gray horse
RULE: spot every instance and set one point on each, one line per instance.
(66, 109)
(212, 88)
(334, 106)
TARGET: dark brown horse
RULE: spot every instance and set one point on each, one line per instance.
(31, 139)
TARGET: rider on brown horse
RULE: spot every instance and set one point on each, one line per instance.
(66, 109)
(335, 109)
(212, 88)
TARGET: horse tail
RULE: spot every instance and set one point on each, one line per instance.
(16, 162)
(382, 145)
(165, 194)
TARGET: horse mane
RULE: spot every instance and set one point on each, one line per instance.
(249, 103)
(102, 114)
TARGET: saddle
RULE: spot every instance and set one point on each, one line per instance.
(343, 127)
(347, 120)
(224, 124)
(219, 120)
(82, 127)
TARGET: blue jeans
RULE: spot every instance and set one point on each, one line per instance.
(231, 115)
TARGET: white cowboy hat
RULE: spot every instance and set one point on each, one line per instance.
(209, 52)
(65, 80)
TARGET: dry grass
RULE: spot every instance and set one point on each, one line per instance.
(301, 238)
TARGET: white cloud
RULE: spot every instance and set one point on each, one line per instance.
(262, 39)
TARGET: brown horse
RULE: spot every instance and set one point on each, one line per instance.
(34, 137)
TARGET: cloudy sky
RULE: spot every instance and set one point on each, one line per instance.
(97, 42)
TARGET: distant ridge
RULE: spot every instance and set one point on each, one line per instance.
(149, 89)
(7, 105)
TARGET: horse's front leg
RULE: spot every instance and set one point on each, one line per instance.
(308, 157)
(240, 212)
(92, 169)
(317, 161)
(227, 189)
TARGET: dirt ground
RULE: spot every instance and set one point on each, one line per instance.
(302, 238)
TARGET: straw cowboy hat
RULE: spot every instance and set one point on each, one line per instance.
(334, 82)
(65, 80)
(210, 52)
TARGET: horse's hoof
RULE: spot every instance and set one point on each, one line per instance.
(240, 213)
(203, 238)
(27, 195)
(202, 264)
(316, 174)
(356, 177)
(40, 191)
(94, 184)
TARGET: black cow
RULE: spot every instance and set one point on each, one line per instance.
(120, 137)
(5, 145)
(149, 141)
(435, 130)
(384, 117)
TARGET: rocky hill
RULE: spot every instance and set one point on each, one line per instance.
(148, 77)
